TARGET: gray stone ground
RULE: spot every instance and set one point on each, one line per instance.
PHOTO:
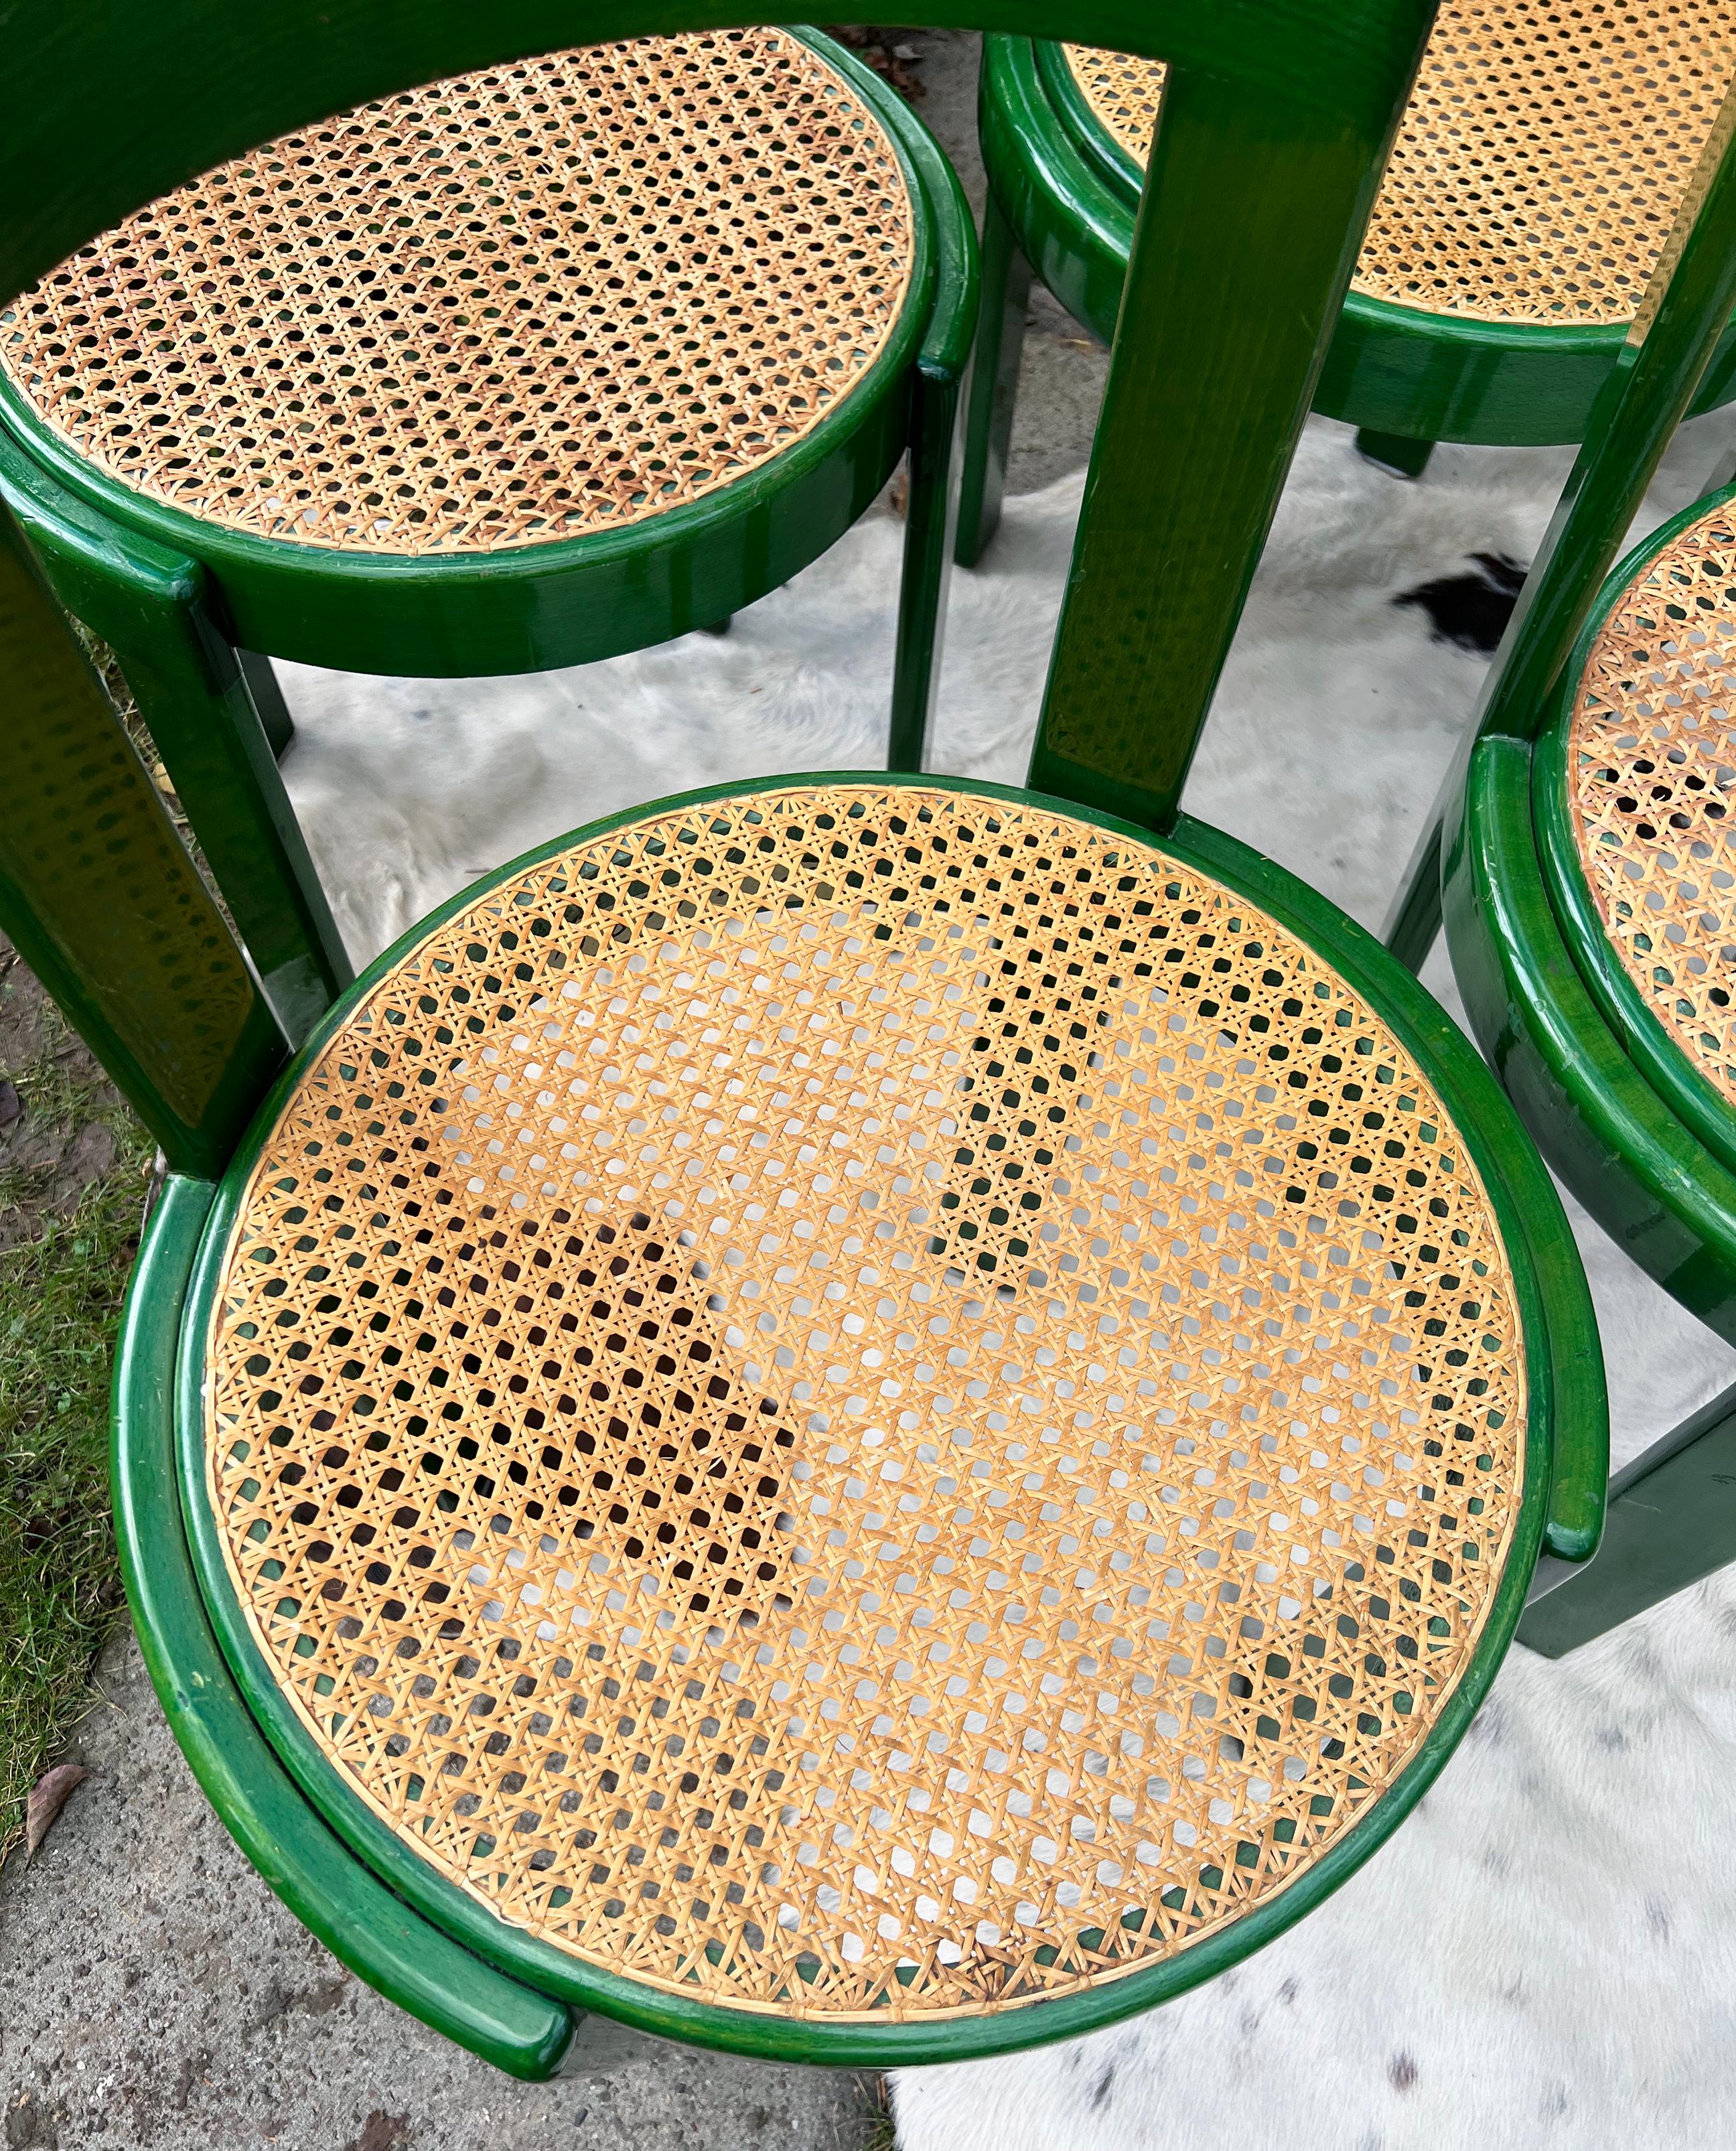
(154, 1994)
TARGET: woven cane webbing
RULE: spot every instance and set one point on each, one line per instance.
(865, 1399)
(1650, 766)
(1540, 160)
(1123, 92)
(527, 304)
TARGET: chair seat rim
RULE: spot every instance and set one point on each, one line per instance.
(211, 538)
(1634, 1163)
(1662, 1060)
(1084, 126)
(1076, 144)
(1482, 1121)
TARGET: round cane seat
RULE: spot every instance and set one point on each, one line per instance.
(1651, 765)
(861, 1400)
(1540, 161)
(526, 304)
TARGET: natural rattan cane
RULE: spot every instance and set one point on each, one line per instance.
(1651, 767)
(527, 304)
(865, 1398)
(1540, 160)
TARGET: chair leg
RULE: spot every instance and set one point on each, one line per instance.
(994, 385)
(929, 533)
(1671, 1520)
(218, 746)
(1396, 453)
(268, 700)
(1415, 919)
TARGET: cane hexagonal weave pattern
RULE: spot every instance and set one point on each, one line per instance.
(1650, 763)
(863, 1399)
(1540, 161)
(531, 303)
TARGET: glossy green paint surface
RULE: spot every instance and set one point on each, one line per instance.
(150, 604)
(1688, 1093)
(1071, 223)
(280, 726)
(1249, 228)
(1672, 1520)
(930, 525)
(1397, 452)
(1664, 1201)
(1563, 1374)
(994, 385)
(357, 1917)
(101, 899)
(104, 107)
(1266, 163)
(936, 386)
(1645, 398)
(1392, 369)
(571, 601)
(1648, 393)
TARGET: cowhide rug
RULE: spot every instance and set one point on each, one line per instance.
(1545, 1954)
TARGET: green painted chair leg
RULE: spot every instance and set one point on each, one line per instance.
(274, 714)
(1415, 919)
(930, 534)
(994, 385)
(1671, 1520)
(1396, 453)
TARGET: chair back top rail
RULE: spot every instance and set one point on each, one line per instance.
(1274, 132)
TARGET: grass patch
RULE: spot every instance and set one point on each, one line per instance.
(73, 1172)
(883, 2135)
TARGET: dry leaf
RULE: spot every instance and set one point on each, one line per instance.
(48, 1797)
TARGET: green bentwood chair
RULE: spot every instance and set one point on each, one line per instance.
(864, 1419)
(518, 370)
(1530, 186)
(1580, 855)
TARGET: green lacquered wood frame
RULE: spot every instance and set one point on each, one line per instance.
(98, 894)
(1678, 1080)
(1631, 1129)
(1658, 1193)
(152, 603)
(1672, 1520)
(1263, 175)
(1392, 369)
(1615, 1140)
(1275, 128)
(1566, 1463)
(179, 598)
(572, 601)
(1650, 389)
(353, 1913)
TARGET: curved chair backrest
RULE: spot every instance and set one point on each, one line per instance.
(1275, 128)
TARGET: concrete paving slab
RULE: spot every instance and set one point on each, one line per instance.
(154, 1995)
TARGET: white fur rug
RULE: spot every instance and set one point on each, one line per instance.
(1546, 1955)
